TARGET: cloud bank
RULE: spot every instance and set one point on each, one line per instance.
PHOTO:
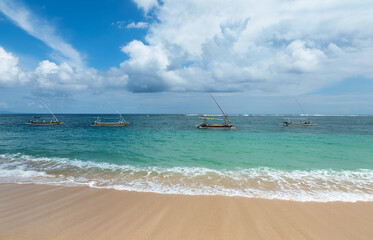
(275, 46)
(58, 78)
(267, 47)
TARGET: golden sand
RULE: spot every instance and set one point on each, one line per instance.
(39, 212)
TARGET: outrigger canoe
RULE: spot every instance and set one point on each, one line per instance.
(44, 123)
(226, 125)
(120, 123)
(205, 125)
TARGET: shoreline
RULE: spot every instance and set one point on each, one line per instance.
(33, 211)
(315, 185)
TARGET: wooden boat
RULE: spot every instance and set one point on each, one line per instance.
(206, 125)
(226, 125)
(99, 123)
(53, 121)
(302, 122)
(298, 121)
(120, 123)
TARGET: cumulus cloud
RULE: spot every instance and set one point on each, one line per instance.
(40, 29)
(60, 78)
(265, 47)
(147, 68)
(10, 73)
(146, 5)
(66, 78)
(138, 25)
(287, 47)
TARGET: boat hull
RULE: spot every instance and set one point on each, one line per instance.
(100, 124)
(299, 124)
(216, 127)
(44, 123)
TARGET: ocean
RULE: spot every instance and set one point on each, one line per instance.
(167, 154)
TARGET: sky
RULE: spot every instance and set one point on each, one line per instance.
(151, 56)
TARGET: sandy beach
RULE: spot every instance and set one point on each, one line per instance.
(29, 211)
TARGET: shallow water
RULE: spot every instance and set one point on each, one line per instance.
(168, 154)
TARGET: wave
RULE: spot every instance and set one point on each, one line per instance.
(321, 185)
(212, 115)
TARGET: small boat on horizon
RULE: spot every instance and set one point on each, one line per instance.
(98, 123)
(298, 121)
(226, 125)
(120, 123)
(53, 121)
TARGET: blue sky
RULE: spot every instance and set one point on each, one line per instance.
(149, 56)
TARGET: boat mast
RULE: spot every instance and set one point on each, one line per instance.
(120, 115)
(225, 116)
(45, 105)
(305, 116)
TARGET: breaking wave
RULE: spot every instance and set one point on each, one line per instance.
(321, 185)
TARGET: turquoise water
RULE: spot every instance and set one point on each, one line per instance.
(168, 154)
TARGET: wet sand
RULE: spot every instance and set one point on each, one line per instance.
(30, 211)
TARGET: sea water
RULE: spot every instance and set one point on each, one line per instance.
(167, 154)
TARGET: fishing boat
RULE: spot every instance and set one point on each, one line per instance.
(120, 123)
(51, 122)
(205, 125)
(298, 121)
(37, 121)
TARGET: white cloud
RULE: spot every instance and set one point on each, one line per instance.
(300, 58)
(40, 29)
(146, 5)
(66, 78)
(271, 47)
(138, 25)
(147, 67)
(63, 77)
(10, 73)
(285, 47)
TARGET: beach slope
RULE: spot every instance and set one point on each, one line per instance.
(29, 211)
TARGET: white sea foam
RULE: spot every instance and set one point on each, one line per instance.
(320, 185)
(212, 115)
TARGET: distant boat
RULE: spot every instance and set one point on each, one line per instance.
(36, 121)
(226, 125)
(98, 123)
(298, 121)
(120, 123)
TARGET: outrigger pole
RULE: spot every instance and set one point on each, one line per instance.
(120, 115)
(305, 116)
(220, 108)
(46, 106)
